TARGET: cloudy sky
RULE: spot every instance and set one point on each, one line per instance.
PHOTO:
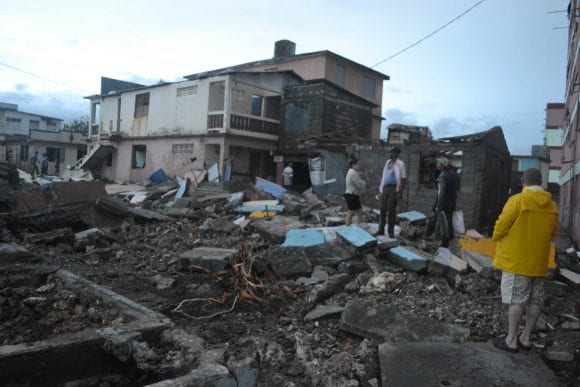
(499, 64)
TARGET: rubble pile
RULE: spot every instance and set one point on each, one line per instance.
(267, 290)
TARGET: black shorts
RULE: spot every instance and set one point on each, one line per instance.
(352, 202)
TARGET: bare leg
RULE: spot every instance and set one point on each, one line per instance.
(349, 215)
(532, 314)
(515, 316)
(358, 215)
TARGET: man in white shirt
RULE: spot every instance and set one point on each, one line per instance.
(393, 182)
(288, 175)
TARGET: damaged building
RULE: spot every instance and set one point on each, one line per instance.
(234, 118)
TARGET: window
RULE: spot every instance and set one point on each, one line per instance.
(23, 152)
(9, 156)
(11, 119)
(55, 154)
(257, 105)
(340, 75)
(182, 148)
(34, 125)
(139, 156)
(189, 90)
(368, 87)
(142, 105)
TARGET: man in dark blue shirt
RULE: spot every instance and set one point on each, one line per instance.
(44, 165)
(34, 161)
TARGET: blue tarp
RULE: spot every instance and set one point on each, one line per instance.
(182, 187)
(356, 236)
(250, 209)
(158, 176)
(303, 238)
(273, 188)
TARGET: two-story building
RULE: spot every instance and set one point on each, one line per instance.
(237, 117)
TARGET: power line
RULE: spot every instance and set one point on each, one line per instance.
(431, 34)
(37, 76)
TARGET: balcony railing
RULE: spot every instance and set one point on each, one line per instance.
(252, 124)
(215, 121)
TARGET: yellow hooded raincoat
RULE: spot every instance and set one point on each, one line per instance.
(524, 231)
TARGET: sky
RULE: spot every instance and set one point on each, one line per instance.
(499, 64)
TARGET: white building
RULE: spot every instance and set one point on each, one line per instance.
(16, 122)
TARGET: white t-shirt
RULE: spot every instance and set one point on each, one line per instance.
(288, 174)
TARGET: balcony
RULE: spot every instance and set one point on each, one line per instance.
(215, 121)
(254, 124)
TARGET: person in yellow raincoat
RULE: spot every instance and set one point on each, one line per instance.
(523, 232)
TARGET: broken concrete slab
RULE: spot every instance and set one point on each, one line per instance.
(570, 276)
(445, 257)
(176, 212)
(141, 214)
(324, 312)
(320, 273)
(222, 224)
(285, 262)
(328, 254)
(12, 252)
(334, 285)
(54, 236)
(561, 358)
(409, 258)
(272, 188)
(334, 221)
(206, 375)
(373, 320)
(303, 238)
(481, 264)
(87, 237)
(468, 364)
(113, 205)
(412, 216)
(355, 238)
(250, 209)
(275, 229)
(209, 258)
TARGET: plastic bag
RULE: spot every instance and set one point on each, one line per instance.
(458, 223)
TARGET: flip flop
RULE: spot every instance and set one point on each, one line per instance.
(523, 347)
(500, 343)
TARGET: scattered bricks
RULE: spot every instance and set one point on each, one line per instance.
(54, 236)
(324, 312)
(210, 258)
(570, 276)
(571, 326)
(409, 258)
(304, 238)
(276, 229)
(481, 264)
(355, 238)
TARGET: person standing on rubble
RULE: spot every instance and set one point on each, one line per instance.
(524, 232)
(446, 196)
(393, 183)
(288, 175)
(354, 187)
(44, 165)
(34, 161)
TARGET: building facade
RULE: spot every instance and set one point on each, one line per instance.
(570, 169)
(553, 138)
(15, 122)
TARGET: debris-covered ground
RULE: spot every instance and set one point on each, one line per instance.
(273, 316)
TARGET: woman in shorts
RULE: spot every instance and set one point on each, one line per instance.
(354, 186)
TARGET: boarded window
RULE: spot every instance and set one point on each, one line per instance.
(139, 156)
(257, 105)
(23, 152)
(142, 105)
(340, 75)
(189, 90)
(368, 87)
(55, 154)
(182, 148)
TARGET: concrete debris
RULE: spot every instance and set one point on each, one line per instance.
(481, 264)
(277, 228)
(324, 312)
(143, 215)
(208, 258)
(570, 276)
(49, 237)
(468, 364)
(571, 326)
(355, 238)
(409, 258)
(287, 262)
(412, 216)
(304, 238)
(334, 285)
(12, 252)
(162, 282)
(381, 282)
(378, 321)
